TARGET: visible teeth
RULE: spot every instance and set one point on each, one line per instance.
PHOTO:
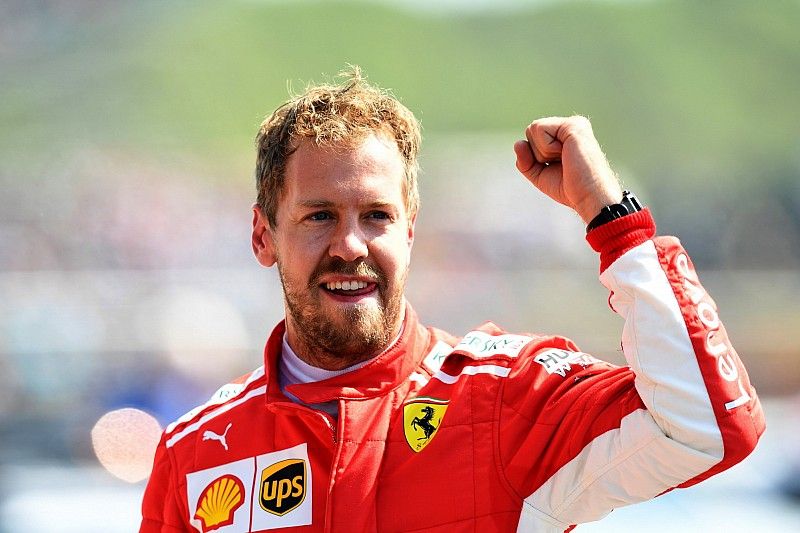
(346, 285)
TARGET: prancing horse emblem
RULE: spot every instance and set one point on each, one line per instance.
(425, 423)
(210, 435)
(422, 418)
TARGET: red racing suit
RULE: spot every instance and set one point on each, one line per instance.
(491, 431)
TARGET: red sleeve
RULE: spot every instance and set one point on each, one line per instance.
(618, 236)
(578, 438)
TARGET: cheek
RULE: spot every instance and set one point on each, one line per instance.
(394, 257)
(296, 265)
(303, 248)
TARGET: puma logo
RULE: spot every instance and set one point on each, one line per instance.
(210, 435)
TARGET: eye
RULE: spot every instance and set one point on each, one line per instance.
(380, 215)
(319, 216)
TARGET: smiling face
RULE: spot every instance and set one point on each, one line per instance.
(342, 244)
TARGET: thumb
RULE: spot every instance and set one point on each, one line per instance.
(527, 163)
(525, 157)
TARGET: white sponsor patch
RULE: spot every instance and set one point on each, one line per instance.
(480, 344)
(277, 479)
(433, 361)
(273, 490)
(220, 498)
(560, 361)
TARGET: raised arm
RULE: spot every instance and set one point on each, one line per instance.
(685, 409)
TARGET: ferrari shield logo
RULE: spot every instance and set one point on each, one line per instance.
(421, 420)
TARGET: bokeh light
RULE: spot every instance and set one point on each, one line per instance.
(124, 441)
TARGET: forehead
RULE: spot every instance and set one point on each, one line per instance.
(372, 165)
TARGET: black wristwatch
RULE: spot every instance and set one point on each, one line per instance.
(629, 204)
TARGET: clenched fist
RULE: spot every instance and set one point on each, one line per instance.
(562, 159)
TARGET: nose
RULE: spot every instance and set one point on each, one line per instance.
(349, 242)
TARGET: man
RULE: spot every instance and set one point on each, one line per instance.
(361, 419)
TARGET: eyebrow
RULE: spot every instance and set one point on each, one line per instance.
(315, 203)
(322, 204)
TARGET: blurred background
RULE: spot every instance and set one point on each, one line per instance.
(128, 291)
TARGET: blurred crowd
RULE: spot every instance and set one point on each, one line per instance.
(96, 257)
(128, 283)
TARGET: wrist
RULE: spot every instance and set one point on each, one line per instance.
(591, 207)
(628, 205)
(620, 235)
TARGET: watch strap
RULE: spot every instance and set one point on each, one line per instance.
(629, 204)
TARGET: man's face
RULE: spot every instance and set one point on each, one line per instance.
(342, 244)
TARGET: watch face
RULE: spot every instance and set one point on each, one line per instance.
(619, 210)
(630, 204)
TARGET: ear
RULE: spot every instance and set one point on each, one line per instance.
(410, 237)
(263, 242)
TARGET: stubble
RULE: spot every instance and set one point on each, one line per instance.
(350, 334)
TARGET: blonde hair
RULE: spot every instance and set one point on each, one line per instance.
(334, 115)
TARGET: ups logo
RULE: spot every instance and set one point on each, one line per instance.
(283, 486)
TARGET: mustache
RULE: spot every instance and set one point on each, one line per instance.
(337, 265)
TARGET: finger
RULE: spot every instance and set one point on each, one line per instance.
(544, 138)
(535, 149)
(526, 162)
(550, 182)
(548, 179)
(525, 158)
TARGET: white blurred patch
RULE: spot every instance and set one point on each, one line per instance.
(125, 443)
(203, 334)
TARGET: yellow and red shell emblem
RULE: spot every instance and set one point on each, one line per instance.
(219, 501)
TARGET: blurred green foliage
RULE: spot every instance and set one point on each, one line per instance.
(674, 88)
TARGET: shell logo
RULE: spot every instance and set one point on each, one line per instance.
(219, 501)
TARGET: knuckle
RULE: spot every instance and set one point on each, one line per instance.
(580, 122)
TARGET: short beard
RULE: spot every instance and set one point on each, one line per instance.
(361, 333)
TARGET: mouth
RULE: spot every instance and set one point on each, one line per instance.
(350, 291)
